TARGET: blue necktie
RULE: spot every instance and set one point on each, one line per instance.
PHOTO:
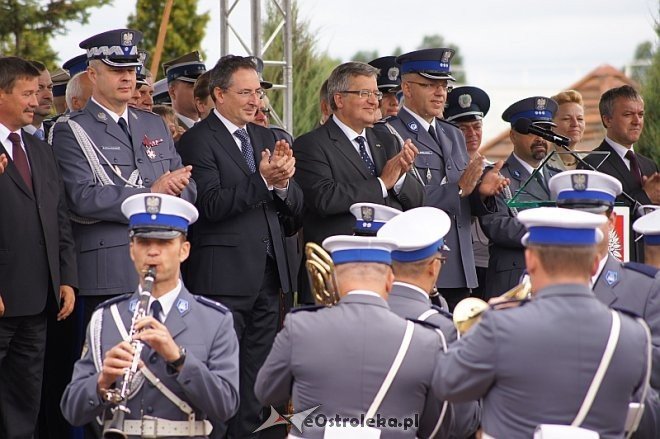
(40, 134)
(156, 310)
(371, 167)
(246, 148)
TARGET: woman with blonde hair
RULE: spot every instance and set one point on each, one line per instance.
(570, 123)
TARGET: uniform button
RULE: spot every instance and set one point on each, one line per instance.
(153, 358)
(139, 160)
(147, 180)
(115, 160)
(91, 402)
(150, 409)
(161, 156)
(515, 264)
(449, 167)
(102, 243)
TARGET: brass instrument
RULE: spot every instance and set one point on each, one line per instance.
(321, 271)
(119, 397)
(468, 311)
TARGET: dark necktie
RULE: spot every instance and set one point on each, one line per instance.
(541, 181)
(371, 167)
(634, 167)
(156, 310)
(20, 159)
(246, 148)
(433, 134)
(124, 127)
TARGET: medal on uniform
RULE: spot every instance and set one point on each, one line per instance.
(149, 145)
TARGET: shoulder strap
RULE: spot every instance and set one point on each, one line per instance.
(403, 349)
(600, 372)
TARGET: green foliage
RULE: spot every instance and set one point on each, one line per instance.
(649, 143)
(26, 26)
(365, 55)
(185, 30)
(311, 68)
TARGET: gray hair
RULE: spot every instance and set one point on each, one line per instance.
(74, 88)
(606, 104)
(340, 77)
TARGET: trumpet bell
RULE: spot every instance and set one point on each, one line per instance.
(468, 312)
(321, 272)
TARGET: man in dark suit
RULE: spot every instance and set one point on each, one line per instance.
(244, 178)
(345, 161)
(507, 254)
(37, 259)
(452, 181)
(622, 113)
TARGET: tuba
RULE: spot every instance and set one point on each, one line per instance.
(468, 311)
(118, 397)
(321, 271)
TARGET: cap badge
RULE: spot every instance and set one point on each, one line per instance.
(393, 73)
(445, 56)
(127, 38)
(540, 104)
(611, 277)
(182, 305)
(465, 101)
(102, 116)
(368, 213)
(413, 126)
(579, 182)
(152, 204)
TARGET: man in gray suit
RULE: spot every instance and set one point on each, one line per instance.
(361, 339)
(189, 347)
(453, 182)
(630, 287)
(108, 152)
(534, 364)
(419, 234)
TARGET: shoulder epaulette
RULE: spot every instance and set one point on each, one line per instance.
(115, 299)
(212, 304)
(425, 323)
(442, 311)
(648, 270)
(451, 124)
(307, 308)
(626, 312)
(63, 118)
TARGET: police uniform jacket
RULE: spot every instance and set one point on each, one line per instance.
(441, 166)
(361, 338)
(104, 267)
(208, 380)
(407, 302)
(507, 256)
(533, 364)
(634, 288)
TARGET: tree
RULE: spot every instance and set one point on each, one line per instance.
(437, 40)
(365, 55)
(26, 26)
(649, 143)
(311, 68)
(185, 30)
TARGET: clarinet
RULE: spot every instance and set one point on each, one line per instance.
(119, 397)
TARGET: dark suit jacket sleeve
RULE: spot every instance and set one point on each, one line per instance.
(501, 228)
(411, 194)
(315, 174)
(219, 201)
(68, 264)
(275, 378)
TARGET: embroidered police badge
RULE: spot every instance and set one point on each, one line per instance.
(152, 204)
(579, 182)
(393, 73)
(368, 213)
(413, 126)
(540, 104)
(182, 305)
(611, 277)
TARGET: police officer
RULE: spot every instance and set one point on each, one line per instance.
(649, 226)
(361, 338)
(507, 261)
(190, 351)
(181, 73)
(631, 287)
(108, 152)
(453, 182)
(534, 364)
(416, 263)
(389, 82)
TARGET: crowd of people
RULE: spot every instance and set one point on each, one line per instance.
(153, 281)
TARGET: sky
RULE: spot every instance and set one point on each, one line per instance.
(511, 48)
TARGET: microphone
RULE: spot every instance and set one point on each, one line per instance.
(525, 126)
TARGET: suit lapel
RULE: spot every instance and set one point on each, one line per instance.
(12, 172)
(226, 141)
(346, 148)
(418, 133)
(446, 144)
(618, 165)
(175, 318)
(377, 150)
(111, 127)
(36, 164)
(521, 175)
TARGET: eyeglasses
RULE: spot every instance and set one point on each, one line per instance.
(439, 86)
(365, 94)
(249, 93)
(265, 111)
(441, 258)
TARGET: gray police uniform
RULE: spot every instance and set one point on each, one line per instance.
(507, 257)
(407, 302)
(441, 165)
(344, 370)
(100, 228)
(208, 380)
(533, 364)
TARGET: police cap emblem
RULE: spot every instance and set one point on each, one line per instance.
(445, 56)
(127, 38)
(579, 182)
(540, 104)
(464, 101)
(368, 213)
(393, 73)
(152, 204)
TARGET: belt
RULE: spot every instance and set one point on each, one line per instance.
(150, 427)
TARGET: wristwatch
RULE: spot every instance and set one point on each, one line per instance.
(179, 361)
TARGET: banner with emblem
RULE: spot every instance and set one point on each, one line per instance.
(619, 239)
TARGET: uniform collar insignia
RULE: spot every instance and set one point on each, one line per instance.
(611, 277)
(516, 173)
(182, 305)
(102, 116)
(412, 126)
(132, 304)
